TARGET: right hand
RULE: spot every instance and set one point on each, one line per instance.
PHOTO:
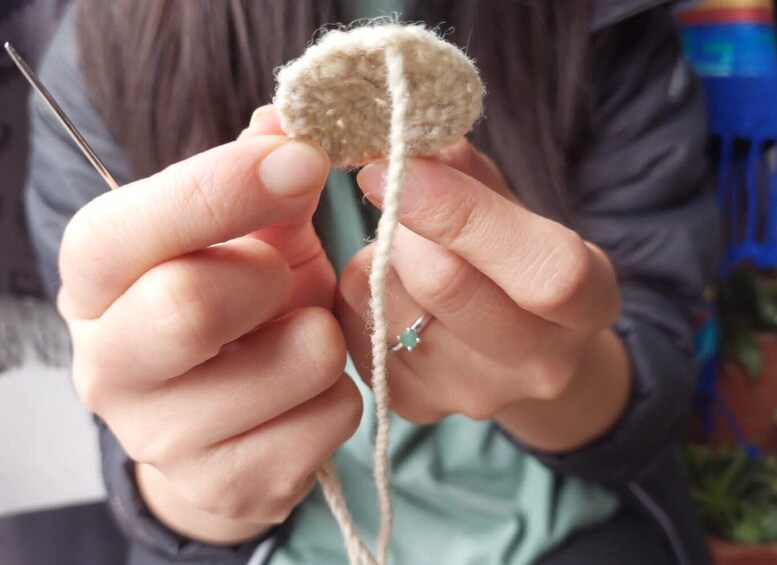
(198, 301)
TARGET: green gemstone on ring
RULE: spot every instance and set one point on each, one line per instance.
(409, 339)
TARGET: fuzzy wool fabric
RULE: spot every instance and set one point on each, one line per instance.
(337, 95)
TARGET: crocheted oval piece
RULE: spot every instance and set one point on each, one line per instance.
(336, 92)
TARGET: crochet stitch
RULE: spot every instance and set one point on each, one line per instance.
(336, 93)
(375, 91)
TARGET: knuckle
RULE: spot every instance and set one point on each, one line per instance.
(552, 379)
(418, 408)
(222, 495)
(418, 414)
(342, 414)
(455, 220)
(217, 481)
(321, 338)
(564, 272)
(462, 156)
(467, 154)
(278, 515)
(90, 366)
(146, 435)
(478, 407)
(184, 308)
(62, 305)
(268, 259)
(353, 279)
(146, 445)
(78, 236)
(135, 448)
(286, 489)
(85, 241)
(88, 384)
(550, 388)
(477, 413)
(447, 285)
(350, 409)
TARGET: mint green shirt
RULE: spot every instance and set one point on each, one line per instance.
(462, 492)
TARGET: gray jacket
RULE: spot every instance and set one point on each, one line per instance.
(642, 198)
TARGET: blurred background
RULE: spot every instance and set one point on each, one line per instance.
(42, 425)
(732, 443)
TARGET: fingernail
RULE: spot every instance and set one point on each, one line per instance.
(264, 120)
(294, 168)
(259, 112)
(372, 179)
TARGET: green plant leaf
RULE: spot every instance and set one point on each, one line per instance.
(766, 307)
(746, 531)
(768, 524)
(747, 352)
(736, 497)
(739, 294)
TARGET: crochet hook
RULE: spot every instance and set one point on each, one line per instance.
(86, 149)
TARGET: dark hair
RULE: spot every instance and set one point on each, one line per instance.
(175, 77)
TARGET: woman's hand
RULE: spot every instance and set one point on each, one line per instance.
(198, 302)
(520, 306)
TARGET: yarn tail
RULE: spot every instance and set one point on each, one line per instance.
(358, 554)
(31, 332)
(395, 176)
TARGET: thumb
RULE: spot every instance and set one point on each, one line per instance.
(294, 237)
(313, 278)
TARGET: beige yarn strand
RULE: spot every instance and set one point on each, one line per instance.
(358, 554)
(395, 177)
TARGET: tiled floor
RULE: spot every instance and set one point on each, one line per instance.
(48, 443)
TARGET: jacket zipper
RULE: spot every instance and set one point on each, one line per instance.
(663, 520)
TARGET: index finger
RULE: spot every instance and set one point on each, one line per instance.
(218, 195)
(543, 266)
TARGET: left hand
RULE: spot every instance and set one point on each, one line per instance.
(518, 301)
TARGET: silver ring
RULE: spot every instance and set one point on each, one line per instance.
(410, 338)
